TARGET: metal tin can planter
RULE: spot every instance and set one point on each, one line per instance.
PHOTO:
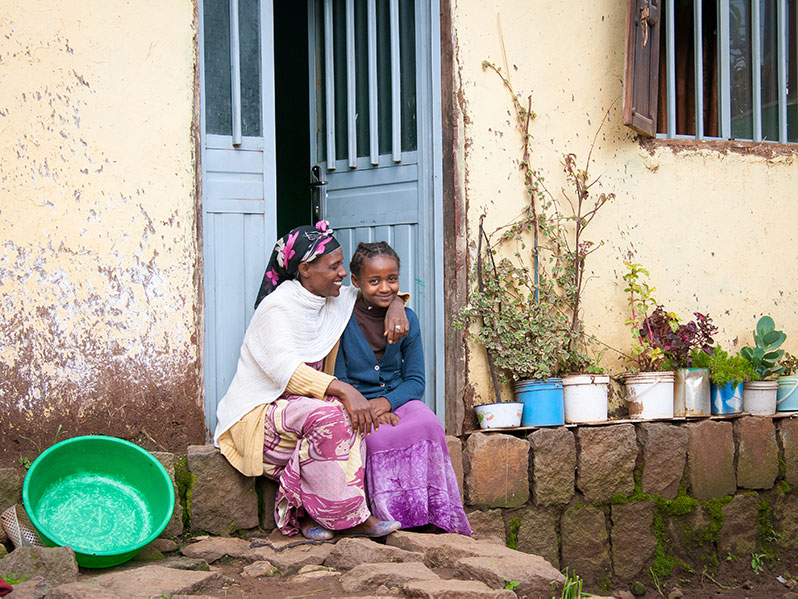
(787, 396)
(585, 397)
(727, 399)
(543, 402)
(650, 395)
(499, 415)
(691, 393)
(759, 397)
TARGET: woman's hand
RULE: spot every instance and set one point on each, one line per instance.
(360, 410)
(381, 405)
(388, 418)
(396, 323)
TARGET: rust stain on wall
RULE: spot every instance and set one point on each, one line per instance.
(99, 246)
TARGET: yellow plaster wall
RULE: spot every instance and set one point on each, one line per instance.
(98, 224)
(715, 228)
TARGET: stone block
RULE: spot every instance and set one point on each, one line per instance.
(454, 589)
(740, 530)
(222, 499)
(690, 536)
(664, 456)
(537, 533)
(56, 565)
(151, 581)
(10, 488)
(211, 549)
(553, 465)
(534, 574)
(585, 543)
(455, 446)
(350, 552)
(291, 559)
(267, 490)
(606, 461)
(785, 522)
(710, 459)
(37, 588)
(633, 541)
(487, 525)
(757, 452)
(496, 470)
(368, 577)
(788, 437)
(175, 526)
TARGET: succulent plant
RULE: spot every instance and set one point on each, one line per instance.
(765, 356)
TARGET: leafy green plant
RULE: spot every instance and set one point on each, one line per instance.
(724, 368)
(528, 305)
(756, 562)
(765, 356)
(510, 585)
(645, 355)
(572, 589)
(790, 364)
(13, 579)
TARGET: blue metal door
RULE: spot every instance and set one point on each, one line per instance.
(238, 185)
(375, 139)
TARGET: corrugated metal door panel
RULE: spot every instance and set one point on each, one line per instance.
(370, 137)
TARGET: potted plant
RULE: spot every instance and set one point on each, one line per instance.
(521, 326)
(649, 389)
(691, 391)
(727, 375)
(787, 398)
(759, 395)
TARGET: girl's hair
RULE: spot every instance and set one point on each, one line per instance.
(365, 251)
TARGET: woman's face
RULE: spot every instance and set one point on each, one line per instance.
(378, 280)
(324, 275)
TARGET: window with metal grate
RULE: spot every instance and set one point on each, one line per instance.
(712, 69)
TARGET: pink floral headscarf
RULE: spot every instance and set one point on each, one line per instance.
(303, 244)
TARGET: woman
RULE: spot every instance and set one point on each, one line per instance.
(285, 416)
(409, 473)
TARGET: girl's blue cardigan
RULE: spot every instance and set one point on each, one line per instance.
(398, 376)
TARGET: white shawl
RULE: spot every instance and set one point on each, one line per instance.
(291, 326)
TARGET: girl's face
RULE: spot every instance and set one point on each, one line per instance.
(323, 276)
(378, 280)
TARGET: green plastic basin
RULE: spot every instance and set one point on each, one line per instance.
(104, 497)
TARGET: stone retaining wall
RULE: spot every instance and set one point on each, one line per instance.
(621, 501)
(618, 501)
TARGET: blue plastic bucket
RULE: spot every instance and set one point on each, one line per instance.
(787, 398)
(727, 399)
(543, 403)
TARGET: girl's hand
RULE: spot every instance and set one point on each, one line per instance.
(360, 410)
(396, 323)
(388, 418)
(381, 405)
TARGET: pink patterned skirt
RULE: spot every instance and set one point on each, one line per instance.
(311, 451)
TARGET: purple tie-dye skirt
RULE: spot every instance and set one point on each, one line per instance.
(409, 474)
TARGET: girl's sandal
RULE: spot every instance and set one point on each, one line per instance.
(382, 529)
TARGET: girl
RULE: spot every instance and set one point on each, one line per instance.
(409, 475)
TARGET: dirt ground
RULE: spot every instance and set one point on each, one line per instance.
(733, 580)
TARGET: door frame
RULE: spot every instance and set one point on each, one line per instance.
(266, 143)
(430, 149)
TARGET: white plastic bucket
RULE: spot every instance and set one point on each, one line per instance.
(650, 395)
(499, 415)
(759, 397)
(585, 397)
